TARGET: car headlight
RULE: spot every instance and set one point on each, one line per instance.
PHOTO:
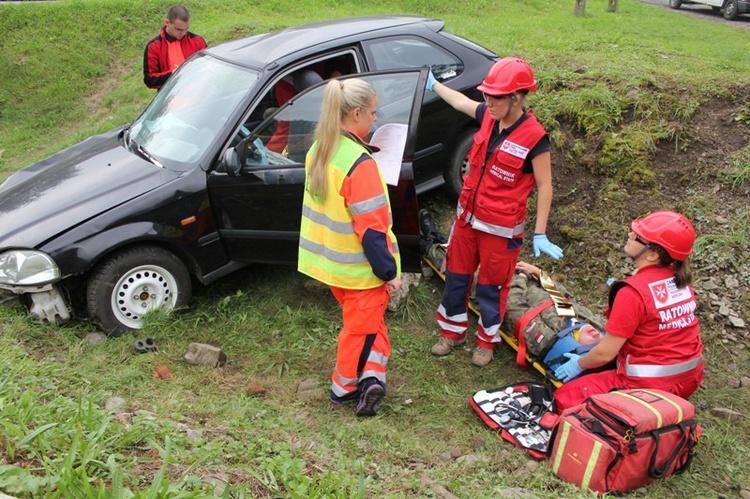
(27, 268)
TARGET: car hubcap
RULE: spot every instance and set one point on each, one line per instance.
(144, 288)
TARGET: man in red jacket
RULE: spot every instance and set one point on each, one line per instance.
(166, 52)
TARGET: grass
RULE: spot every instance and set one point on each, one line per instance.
(612, 87)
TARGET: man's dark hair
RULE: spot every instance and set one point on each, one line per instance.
(176, 12)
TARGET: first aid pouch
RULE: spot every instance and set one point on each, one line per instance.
(522, 414)
(624, 439)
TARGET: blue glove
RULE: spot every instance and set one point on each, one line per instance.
(430, 81)
(570, 370)
(542, 244)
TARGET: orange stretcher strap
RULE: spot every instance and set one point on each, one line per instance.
(521, 324)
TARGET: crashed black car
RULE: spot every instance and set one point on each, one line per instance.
(209, 178)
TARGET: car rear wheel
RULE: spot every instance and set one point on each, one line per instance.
(675, 4)
(130, 283)
(459, 165)
(731, 10)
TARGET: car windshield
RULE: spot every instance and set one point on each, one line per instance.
(189, 112)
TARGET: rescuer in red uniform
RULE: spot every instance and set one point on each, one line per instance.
(652, 329)
(510, 156)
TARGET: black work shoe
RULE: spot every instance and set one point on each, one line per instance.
(368, 401)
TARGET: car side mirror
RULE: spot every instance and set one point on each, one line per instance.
(230, 162)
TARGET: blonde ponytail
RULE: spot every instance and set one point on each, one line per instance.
(339, 99)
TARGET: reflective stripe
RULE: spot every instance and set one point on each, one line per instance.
(591, 465)
(464, 317)
(344, 380)
(564, 434)
(322, 219)
(495, 230)
(490, 331)
(453, 328)
(334, 256)
(339, 391)
(644, 404)
(677, 406)
(368, 205)
(344, 386)
(377, 358)
(657, 371)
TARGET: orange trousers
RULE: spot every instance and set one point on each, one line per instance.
(363, 344)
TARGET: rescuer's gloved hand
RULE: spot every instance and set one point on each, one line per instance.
(430, 81)
(570, 370)
(542, 244)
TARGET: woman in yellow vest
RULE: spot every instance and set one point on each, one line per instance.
(346, 239)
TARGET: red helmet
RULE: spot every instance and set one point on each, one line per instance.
(508, 75)
(672, 231)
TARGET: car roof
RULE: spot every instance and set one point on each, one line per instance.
(260, 50)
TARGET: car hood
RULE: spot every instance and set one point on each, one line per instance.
(52, 196)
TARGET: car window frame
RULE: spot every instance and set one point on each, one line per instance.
(411, 141)
(371, 59)
(269, 85)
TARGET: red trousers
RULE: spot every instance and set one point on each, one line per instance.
(363, 344)
(578, 390)
(496, 259)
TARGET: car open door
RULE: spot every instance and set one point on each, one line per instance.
(256, 188)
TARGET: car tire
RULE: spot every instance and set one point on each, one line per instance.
(160, 277)
(675, 4)
(459, 165)
(731, 10)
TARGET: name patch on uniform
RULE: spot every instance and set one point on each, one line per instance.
(514, 149)
(666, 293)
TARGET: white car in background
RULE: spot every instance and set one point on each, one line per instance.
(731, 8)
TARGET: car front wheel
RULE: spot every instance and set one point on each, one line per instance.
(731, 10)
(130, 283)
(459, 165)
(675, 4)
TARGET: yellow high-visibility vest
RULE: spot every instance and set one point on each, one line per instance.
(329, 248)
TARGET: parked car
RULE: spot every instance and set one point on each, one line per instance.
(209, 178)
(731, 8)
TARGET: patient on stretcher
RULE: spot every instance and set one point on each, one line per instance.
(545, 320)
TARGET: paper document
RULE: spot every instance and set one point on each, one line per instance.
(391, 139)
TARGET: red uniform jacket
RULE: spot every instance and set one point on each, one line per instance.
(667, 343)
(496, 191)
(156, 67)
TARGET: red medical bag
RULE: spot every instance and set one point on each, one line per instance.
(621, 440)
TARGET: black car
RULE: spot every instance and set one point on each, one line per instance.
(209, 178)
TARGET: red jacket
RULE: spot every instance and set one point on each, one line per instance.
(495, 192)
(666, 343)
(156, 67)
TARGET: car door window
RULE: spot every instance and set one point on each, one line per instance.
(287, 85)
(258, 201)
(409, 52)
(300, 117)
